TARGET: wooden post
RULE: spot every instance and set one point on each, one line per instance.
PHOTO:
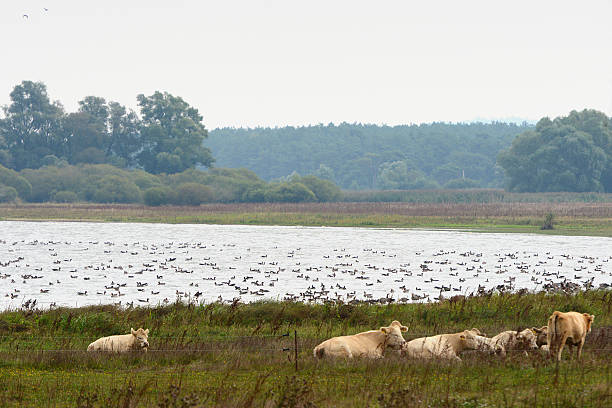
(295, 347)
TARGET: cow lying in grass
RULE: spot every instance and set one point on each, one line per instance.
(511, 340)
(568, 328)
(136, 340)
(447, 346)
(371, 344)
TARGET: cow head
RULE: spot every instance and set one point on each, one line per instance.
(469, 340)
(478, 332)
(526, 340)
(141, 338)
(393, 335)
(588, 320)
(540, 334)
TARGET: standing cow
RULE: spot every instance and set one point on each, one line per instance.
(568, 328)
(136, 340)
(370, 344)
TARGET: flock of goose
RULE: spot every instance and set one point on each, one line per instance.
(76, 273)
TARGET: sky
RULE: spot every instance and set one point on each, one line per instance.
(248, 63)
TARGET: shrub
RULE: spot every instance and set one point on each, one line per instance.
(144, 180)
(324, 190)
(115, 189)
(65, 197)
(11, 178)
(289, 193)
(548, 222)
(192, 194)
(156, 196)
(7, 194)
(47, 180)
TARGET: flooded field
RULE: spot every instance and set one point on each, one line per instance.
(77, 264)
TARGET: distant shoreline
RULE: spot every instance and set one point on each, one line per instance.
(591, 219)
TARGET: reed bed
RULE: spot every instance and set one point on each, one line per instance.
(569, 218)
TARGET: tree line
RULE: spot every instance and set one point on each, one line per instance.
(107, 153)
(163, 154)
(167, 137)
(371, 157)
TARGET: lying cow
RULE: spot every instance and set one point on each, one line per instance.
(136, 340)
(447, 346)
(514, 340)
(372, 344)
(541, 334)
(568, 328)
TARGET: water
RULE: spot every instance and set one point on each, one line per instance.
(148, 264)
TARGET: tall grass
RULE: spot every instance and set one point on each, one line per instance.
(236, 355)
(570, 218)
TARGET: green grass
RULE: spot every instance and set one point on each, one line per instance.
(233, 355)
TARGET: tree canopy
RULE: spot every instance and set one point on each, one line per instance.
(35, 131)
(366, 157)
(570, 153)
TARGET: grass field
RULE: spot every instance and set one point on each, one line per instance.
(570, 218)
(236, 356)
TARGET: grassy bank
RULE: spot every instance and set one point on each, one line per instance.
(570, 218)
(236, 355)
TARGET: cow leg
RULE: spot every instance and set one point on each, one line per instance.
(570, 349)
(563, 340)
(579, 352)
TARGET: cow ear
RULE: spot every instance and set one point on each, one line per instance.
(384, 330)
(404, 328)
(132, 331)
(147, 332)
(536, 330)
(462, 337)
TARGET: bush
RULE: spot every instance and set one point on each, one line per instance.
(289, 193)
(47, 180)
(144, 180)
(548, 222)
(324, 190)
(192, 194)
(156, 196)
(115, 189)
(7, 194)
(11, 178)
(65, 197)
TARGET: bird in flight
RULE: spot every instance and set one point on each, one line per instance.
(25, 16)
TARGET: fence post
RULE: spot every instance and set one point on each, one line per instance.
(295, 347)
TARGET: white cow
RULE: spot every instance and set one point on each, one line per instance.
(568, 328)
(514, 340)
(371, 344)
(541, 334)
(136, 340)
(447, 346)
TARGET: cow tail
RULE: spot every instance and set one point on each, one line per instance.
(320, 352)
(552, 331)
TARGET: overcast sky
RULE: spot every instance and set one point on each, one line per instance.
(273, 63)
